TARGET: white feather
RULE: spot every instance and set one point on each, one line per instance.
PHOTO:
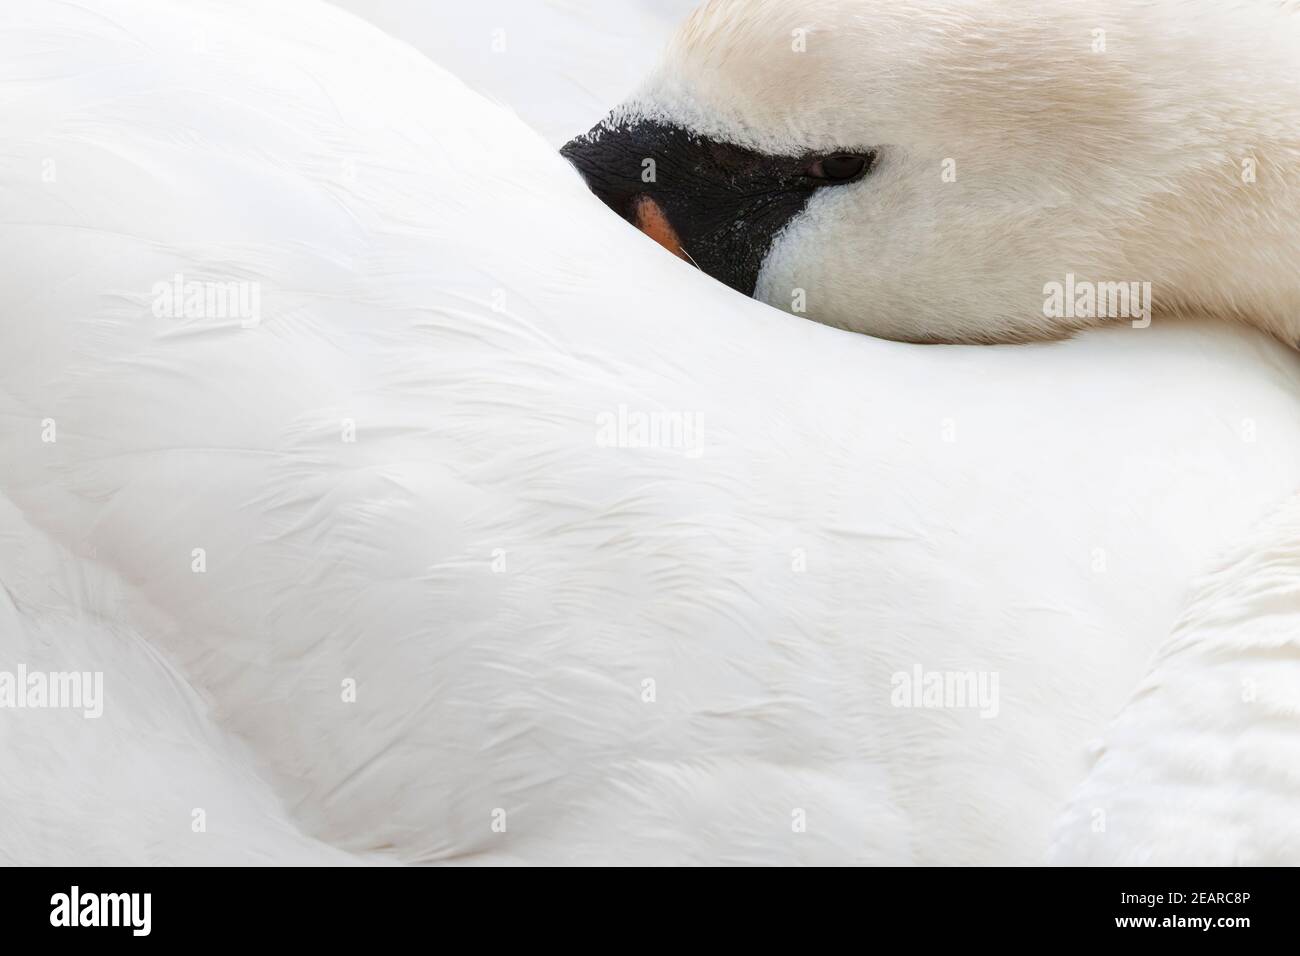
(1202, 767)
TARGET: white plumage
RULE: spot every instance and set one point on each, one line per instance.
(1202, 767)
(499, 582)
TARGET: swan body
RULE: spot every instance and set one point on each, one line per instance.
(390, 571)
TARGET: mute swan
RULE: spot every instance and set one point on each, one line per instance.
(955, 171)
(379, 557)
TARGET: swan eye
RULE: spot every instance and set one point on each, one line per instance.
(840, 168)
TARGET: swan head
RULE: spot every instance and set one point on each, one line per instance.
(923, 170)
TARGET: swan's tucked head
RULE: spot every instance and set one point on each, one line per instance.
(915, 169)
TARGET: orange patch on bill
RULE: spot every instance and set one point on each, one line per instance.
(651, 220)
